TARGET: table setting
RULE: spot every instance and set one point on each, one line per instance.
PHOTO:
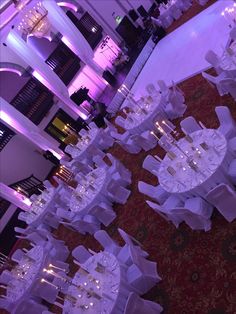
(90, 191)
(95, 288)
(139, 116)
(194, 163)
(41, 205)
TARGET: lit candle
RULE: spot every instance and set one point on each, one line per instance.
(154, 135)
(167, 125)
(120, 91)
(52, 266)
(59, 176)
(49, 283)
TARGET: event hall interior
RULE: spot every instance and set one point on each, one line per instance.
(118, 156)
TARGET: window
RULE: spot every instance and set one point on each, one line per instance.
(62, 126)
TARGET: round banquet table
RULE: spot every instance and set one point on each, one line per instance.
(141, 121)
(42, 206)
(83, 199)
(212, 164)
(81, 149)
(228, 62)
(26, 275)
(107, 281)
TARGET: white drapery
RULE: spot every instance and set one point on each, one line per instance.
(71, 35)
(42, 71)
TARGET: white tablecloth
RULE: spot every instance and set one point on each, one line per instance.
(84, 198)
(42, 206)
(140, 120)
(210, 163)
(26, 273)
(108, 287)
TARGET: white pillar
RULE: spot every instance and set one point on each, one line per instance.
(19, 123)
(14, 197)
(42, 71)
(71, 35)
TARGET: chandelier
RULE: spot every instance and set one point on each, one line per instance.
(35, 22)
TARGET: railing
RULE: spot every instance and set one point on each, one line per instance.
(29, 185)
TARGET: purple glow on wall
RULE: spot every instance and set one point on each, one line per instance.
(89, 79)
(67, 5)
(6, 118)
(105, 54)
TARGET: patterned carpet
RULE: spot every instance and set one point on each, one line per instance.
(198, 269)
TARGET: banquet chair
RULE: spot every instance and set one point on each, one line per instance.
(107, 242)
(48, 184)
(121, 137)
(125, 255)
(81, 226)
(151, 164)
(5, 277)
(117, 193)
(168, 215)
(142, 274)
(104, 213)
(199, 206)
(119, 172)
(223, 197)
(176, 99)
(156, 193)
(193, 220)
(183, 5)
(175, 12)
(202, 2)
(99, 162)
(165, 19)
(232, 171)
(212, 58)
(216, 81)
(93, 125)
(172, 201)
(81, 254)
(227, 123)
(229, 85)
(130, 147)
(110, 126)
(106, 140)
(189, 125)
(164, 89)
(18, 255)
(30, 306)
(232, 33)
(232, 146)
(5, 304)
(120, 121)
(151, 89)
(137, 305)
(65, 214)
(143, 142)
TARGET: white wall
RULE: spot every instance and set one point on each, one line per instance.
(19, 159)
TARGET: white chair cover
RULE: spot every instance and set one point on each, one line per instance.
(224, 199)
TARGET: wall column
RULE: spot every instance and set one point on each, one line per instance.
(20, 124)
